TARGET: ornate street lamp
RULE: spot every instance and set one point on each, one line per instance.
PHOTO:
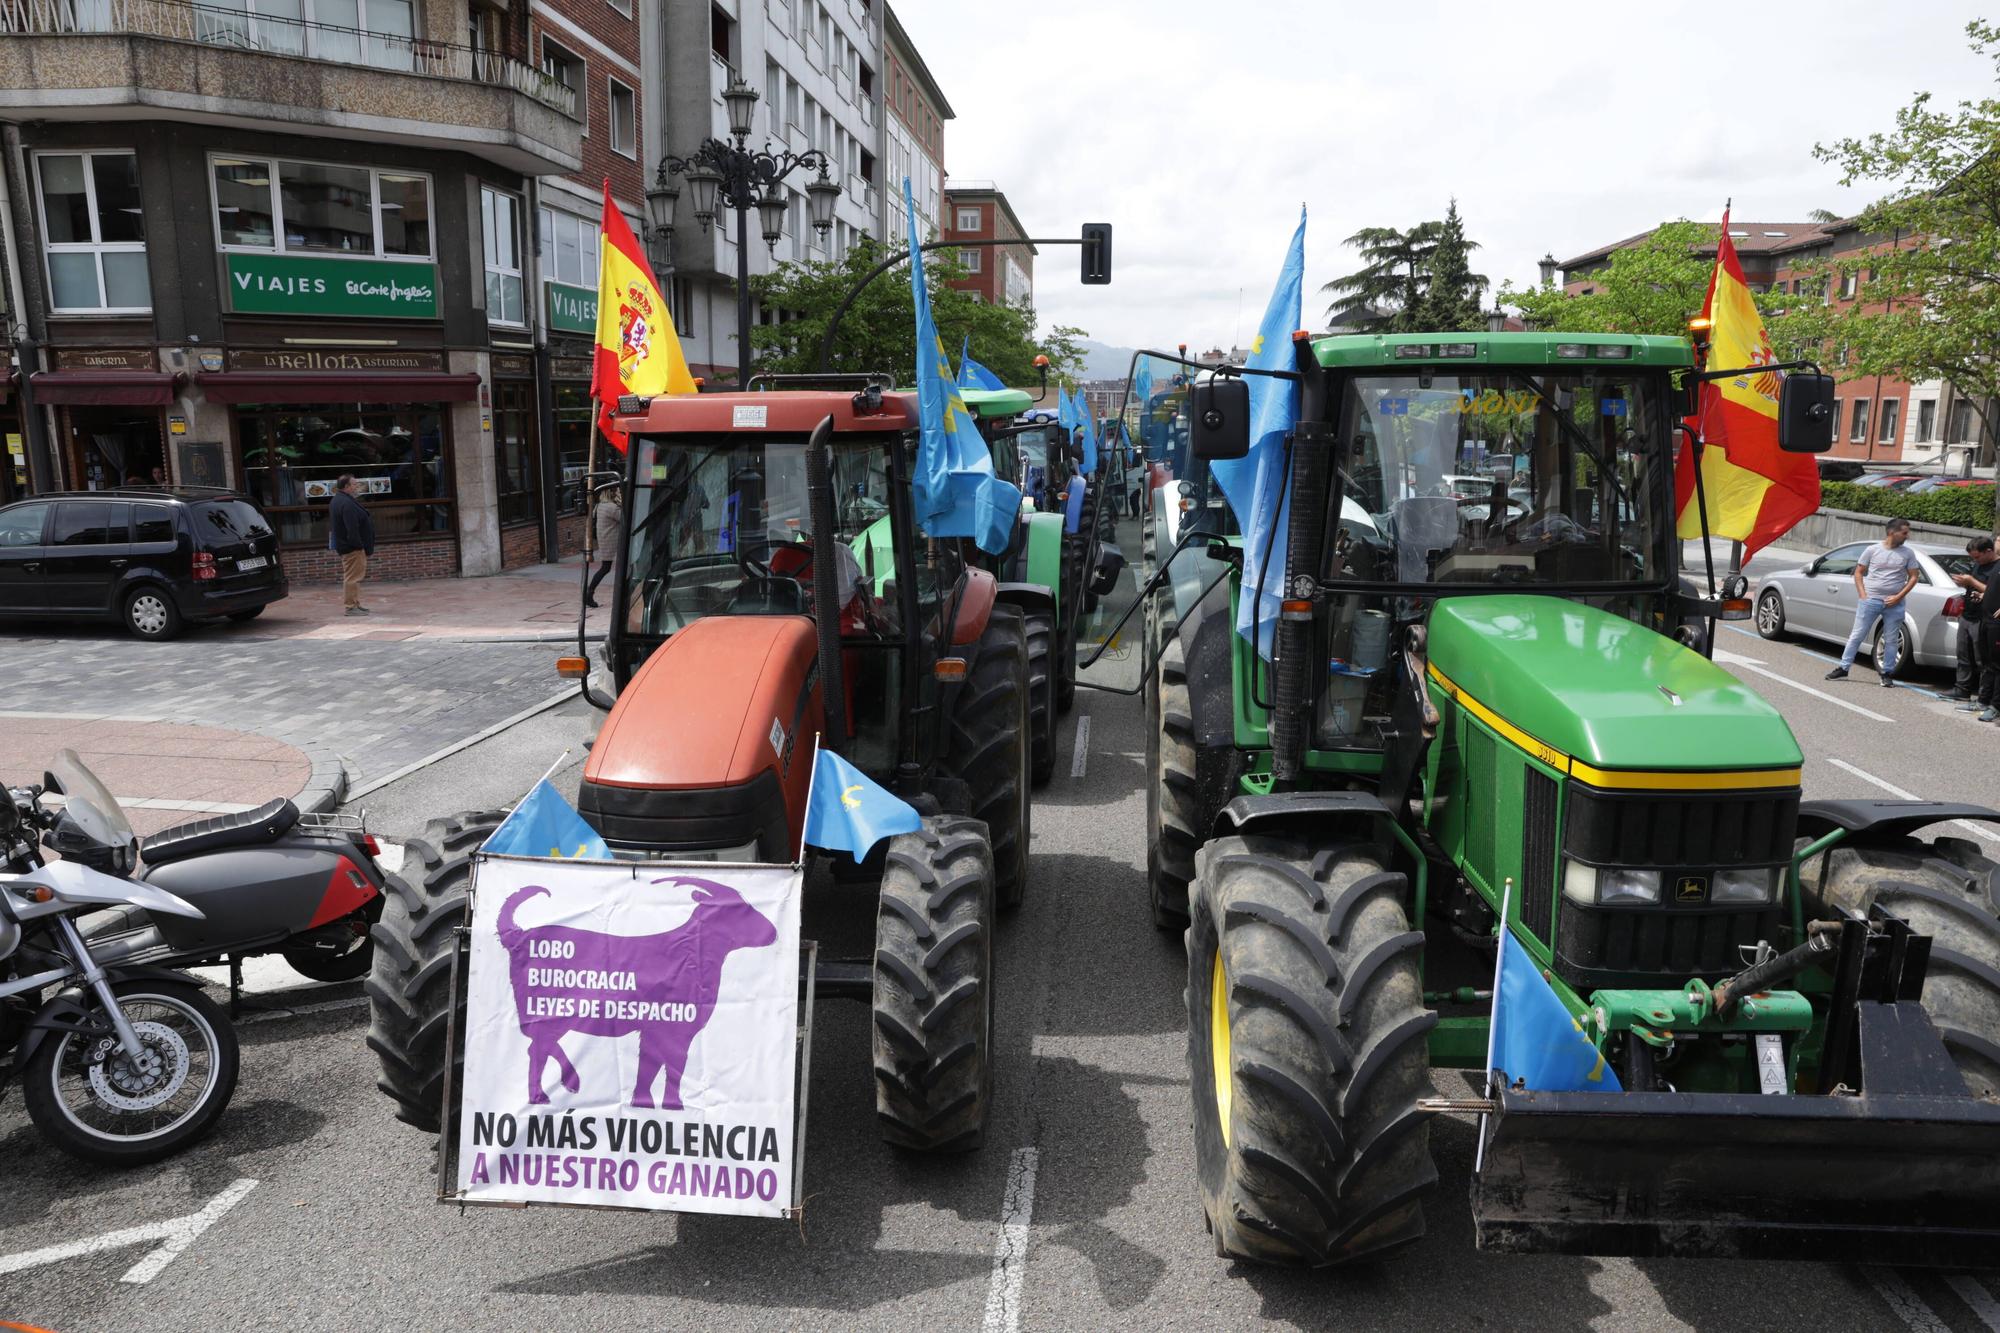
(771, 209)
(741, 100)
(821, 193)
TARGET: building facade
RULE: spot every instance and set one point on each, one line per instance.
(916, 114)
(978, 210)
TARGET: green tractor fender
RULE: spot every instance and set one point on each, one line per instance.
(1043, 566)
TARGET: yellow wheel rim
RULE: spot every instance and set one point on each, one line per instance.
(1218, 1044)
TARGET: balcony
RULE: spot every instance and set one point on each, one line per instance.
(129, 59)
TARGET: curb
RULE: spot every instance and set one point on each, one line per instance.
(326, 787)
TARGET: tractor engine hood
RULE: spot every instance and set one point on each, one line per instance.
(1592, 693)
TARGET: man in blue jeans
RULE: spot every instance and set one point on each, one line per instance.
(1883, 577)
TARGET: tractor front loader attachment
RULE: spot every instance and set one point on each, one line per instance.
(1890, 1158)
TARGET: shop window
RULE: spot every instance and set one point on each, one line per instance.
(516, 464)
(400, 456)
(500, 227)
(317, 208)
(572, 444)
(94, 232)
(569, 248)
(1892, 408)
(624, 117)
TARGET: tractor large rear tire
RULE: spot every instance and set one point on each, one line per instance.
(1042, 668)
(1173, 798)
(410, 999)
(987, 748)
(1949, 891)
(934, 996)
(1307, 1049)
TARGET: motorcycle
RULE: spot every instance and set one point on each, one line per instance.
(120, 1063)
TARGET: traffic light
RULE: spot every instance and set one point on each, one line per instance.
(1096, 253)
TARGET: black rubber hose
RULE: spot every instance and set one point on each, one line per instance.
(826, 582)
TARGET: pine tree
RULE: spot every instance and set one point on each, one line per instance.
(1451, 300)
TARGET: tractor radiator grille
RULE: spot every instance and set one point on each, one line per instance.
(1538, 852)
(1671, 829)
(1598, 946)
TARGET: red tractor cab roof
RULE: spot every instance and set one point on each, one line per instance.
(785, 412)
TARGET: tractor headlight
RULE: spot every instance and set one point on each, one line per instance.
(1744, 886)
(1612, 886)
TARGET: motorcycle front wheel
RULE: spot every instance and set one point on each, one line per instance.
(89, 1098)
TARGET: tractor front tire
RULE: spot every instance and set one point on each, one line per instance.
(987, 748)
(410, 999)
(1950, 891)
(1042, 669)
(1173, 797)
(933, 1001)
(1307, 1047)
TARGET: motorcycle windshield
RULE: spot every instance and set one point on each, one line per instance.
(95, 810)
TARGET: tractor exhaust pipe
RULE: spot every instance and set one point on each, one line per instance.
(826, 583)
(1292, 664)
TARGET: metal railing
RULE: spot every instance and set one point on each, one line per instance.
(215, 25)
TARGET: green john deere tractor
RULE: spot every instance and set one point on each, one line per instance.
(1490, 708)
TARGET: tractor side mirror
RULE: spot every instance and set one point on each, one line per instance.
(1805, 414)
(1220, 424)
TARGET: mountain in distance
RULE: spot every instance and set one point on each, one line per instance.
(1102, 361)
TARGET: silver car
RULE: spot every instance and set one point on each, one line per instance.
(1818, 600)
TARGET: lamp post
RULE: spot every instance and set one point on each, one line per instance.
(730, 175)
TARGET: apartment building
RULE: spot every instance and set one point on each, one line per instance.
(917, 111)
(978, 210)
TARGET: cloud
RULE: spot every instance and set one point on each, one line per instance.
(1198, 130)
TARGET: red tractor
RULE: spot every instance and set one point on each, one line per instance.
(772, 585)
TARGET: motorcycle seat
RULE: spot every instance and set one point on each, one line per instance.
(267, 823)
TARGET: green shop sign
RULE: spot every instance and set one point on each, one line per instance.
(297, 285)
(572, 309)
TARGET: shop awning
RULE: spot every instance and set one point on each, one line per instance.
(338, 386)
(103, 388)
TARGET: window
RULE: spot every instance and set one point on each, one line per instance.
(622, 6)
(517, 463)
(968, 219)
(721, 35)
(400, 457)
(92, 523)
(568, 69)
(1848, 282)
(1892, 409)
(1841, 562)
(94, 232)
(774, 96)
(152, 523)
(569, 248)
(971, 259)
(1961, 422)
(1926, 420)
(372, 32)
(21, 525)
(1857, 431)
(313, 208)
(867, 82)
(624, 112)
(500, 226)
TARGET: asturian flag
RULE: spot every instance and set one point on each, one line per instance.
(637, 349)
(544, 824)
(849, 812)
(1755, 491)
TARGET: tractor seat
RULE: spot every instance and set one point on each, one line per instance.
(267, 823)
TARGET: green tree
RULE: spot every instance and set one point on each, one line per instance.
(1451, 301)
(1655, 286)
(1387, 292)
(879, 331)
(1929, 304)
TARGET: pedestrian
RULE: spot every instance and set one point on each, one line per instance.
(1970, 690)
(350, 534)
(1883, 577)
(610, 518)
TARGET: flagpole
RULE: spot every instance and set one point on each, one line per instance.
(552, 768)
(811, 781)
(1493, 1018)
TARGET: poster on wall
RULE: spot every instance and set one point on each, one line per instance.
(198, 463)
(631, 1036)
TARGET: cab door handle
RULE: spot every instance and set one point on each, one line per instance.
(32, 567)
(119, 563)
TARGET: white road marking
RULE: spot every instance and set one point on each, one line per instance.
(1751, 664)
(1010, 1250)
(1902, 795)
(1901, 1297)
(174, 1235)
(1081, 758)
(1614, 1283)
(1976, 1297)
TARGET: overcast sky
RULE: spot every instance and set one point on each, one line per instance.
(1199, 130)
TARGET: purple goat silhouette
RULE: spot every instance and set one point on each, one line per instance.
(662, 986)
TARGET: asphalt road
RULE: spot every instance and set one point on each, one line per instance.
(340, 1230)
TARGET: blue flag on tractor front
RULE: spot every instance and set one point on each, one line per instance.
(1089, 424)
(850, 813)
(1254, 482)
(1065, 409)
(1535, 1038)
(1073, 505)
(955, 489)
(544, 824)
(972, 375)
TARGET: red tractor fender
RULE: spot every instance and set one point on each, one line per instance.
(975, 606)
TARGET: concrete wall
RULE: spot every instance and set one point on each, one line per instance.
(1837, 527)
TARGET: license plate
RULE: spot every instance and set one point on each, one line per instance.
(253, 562)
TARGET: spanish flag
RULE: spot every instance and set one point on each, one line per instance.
(637, 348)
(1755, 491)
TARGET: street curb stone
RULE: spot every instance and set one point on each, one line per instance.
(326, 787)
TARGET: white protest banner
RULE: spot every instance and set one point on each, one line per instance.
(631, 1038)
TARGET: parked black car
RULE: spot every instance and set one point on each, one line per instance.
(154, 557)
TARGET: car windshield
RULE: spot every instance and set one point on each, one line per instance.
(721, 524)
(1507, 476)
(94, 809)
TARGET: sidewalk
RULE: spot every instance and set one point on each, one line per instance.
(535, 603)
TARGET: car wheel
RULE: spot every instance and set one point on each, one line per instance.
(1905, 651)
(150, 614)
(1771, 614)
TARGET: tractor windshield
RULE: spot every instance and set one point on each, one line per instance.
(720, 525)
(1527, 476)
(1044, 464)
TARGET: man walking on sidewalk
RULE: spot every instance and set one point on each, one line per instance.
(1971, 687)
(351, 534)
(1883, 577)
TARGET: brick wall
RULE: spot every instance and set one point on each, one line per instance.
(392, 561)
(520, 544)
(569, 534)
(620, 34)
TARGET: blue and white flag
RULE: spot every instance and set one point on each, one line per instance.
(1073, 505)
(849, 812)
(972, 375)
(1254, 482)
(1535, 1037)
(1065, 409)
(544, 824)
(1089, 436)
(956, 491)
(1142, 385)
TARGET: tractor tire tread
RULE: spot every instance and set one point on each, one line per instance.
(1175, 817)
(986, 747)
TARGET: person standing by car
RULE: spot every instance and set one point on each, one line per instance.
(1883, 577)
(351, 534)
(1971, 689)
